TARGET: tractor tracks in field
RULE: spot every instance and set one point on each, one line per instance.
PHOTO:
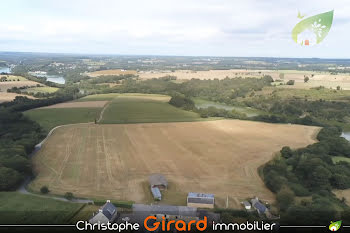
(23, 187)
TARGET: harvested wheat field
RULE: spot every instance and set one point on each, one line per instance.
(317, 79)
(343, 194)
(86, 104)
(6, 97)
(8, 85)
(210, 74)
(114, 161)
(111, 72)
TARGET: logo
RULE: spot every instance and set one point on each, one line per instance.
(151, 224)
(312, 30)
(334, 226)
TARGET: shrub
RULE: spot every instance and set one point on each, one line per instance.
(44, 189)
(68, 195)
(182, 102)
(286, 152)
(290, 82)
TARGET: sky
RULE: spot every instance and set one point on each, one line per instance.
(237, 28)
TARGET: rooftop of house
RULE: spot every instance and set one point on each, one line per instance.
(108, 210)
(200, 195)
(164, 209)
(258, 205)
(156, 192)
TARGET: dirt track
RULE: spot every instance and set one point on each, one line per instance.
(114, 161)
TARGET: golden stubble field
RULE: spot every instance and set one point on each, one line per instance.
(114, 161)
(318, 79)
(111, 72)
(6, 97)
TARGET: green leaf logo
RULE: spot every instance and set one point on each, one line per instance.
(313, 30)
(334, 226)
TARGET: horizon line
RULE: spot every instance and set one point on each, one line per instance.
(158, 55)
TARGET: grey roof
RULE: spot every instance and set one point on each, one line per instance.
(201, 195)
(257, 205)
(164, 209)
(109, 210)
(156, 193)
(246, 203)
(157, 179)
(203, 198)
(200, 200)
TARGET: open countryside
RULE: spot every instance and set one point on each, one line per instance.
(114, 161)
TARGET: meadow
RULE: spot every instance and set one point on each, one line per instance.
(111, 96)
(134, 109)
(17, 208)
(114, 161)
(48, 118)
(201, 103)
(42, 89)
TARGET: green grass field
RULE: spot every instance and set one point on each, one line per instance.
(201, 103)
(50, 118)
(17, 208)
(138, 110)
(111, 96)
(45, 89)
(337, 159)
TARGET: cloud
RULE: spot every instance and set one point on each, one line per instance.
(164, 27)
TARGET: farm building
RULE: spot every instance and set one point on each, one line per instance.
(159, 181)
(156, 193)
(107, 213)
(167, 211)
(200, 200)
(258, 206)
(247, 205)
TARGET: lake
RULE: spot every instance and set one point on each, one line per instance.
(55, 79)
(346, 135)
(52, 78)
(5, 70)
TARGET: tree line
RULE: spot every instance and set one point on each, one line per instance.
(19, 135)
(303, 180)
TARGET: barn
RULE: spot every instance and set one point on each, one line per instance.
(158, 181)
(157, 195)
(200, 200)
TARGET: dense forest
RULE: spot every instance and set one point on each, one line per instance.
(225, 90)
(19, 135)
